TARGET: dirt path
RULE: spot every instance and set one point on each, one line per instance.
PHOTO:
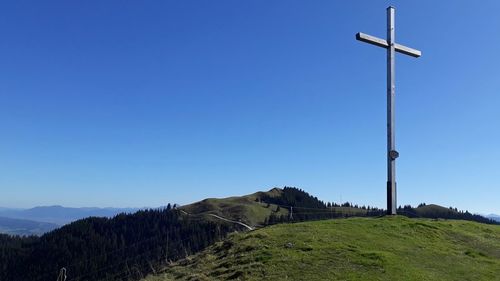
(221, 218)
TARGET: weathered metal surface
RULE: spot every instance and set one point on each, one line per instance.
(383, 43)
(391, 92)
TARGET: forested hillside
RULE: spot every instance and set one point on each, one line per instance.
(122, 248)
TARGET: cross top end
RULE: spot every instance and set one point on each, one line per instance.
(385, 43)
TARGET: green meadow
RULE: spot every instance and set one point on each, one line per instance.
(386, 248)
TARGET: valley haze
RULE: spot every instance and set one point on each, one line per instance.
(41, 219)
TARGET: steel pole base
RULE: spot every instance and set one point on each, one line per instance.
(391, 199)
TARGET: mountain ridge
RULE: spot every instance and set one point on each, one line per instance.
(57, 214)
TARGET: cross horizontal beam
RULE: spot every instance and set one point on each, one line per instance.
(383, 43)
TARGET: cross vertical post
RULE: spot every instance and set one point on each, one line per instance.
(391, 47)
(391, 93)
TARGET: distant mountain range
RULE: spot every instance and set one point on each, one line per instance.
(38, 220)
(493, 217)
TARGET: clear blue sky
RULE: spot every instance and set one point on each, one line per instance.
(140, 103)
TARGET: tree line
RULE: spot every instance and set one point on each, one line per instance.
(438, 212)
(304, 207)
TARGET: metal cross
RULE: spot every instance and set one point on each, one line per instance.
(391, 47)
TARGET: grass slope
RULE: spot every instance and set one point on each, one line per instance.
(388, 248)
(241, 208)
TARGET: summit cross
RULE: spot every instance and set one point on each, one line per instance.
(392, 47)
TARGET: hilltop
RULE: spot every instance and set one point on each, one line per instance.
(386, 248)
(267, 207)
(249, 209)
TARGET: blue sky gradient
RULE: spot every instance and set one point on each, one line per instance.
(126, 103)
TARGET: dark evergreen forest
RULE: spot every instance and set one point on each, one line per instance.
(122, 248)
(307, 207)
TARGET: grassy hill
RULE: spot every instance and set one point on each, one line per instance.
(254, 209)
(434, 210)
(387, 248)
(247, 209)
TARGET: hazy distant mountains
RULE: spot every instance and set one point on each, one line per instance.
(493, 217)
(38, 220)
